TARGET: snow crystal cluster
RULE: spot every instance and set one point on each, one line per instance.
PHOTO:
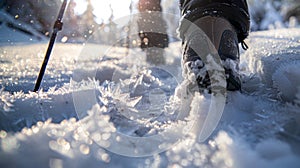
(276, 61)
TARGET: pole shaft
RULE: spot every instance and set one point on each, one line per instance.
(57, 27)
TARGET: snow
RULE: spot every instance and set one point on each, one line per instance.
(272, 14)
(104, 106)
(287, 80)
(275, 59)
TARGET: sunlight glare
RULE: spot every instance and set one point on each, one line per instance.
(102, 8)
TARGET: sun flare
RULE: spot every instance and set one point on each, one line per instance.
(103, 9)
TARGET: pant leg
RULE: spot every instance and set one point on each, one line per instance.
(152, 26)
(235, 11)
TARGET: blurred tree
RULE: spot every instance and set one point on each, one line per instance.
(71, 30)
(112, 27)
(87, 21)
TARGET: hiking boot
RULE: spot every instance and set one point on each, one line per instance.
(210, 51)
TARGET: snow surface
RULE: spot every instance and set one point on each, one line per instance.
(106, 107)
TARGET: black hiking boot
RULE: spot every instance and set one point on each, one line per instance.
(210, 53)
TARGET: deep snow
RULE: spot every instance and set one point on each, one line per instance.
(89, 121)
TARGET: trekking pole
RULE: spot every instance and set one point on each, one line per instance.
(56, 28)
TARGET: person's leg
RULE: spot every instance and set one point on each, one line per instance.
(152, 31)
(225, 24)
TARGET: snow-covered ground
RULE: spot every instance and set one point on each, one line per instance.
(118, 111)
